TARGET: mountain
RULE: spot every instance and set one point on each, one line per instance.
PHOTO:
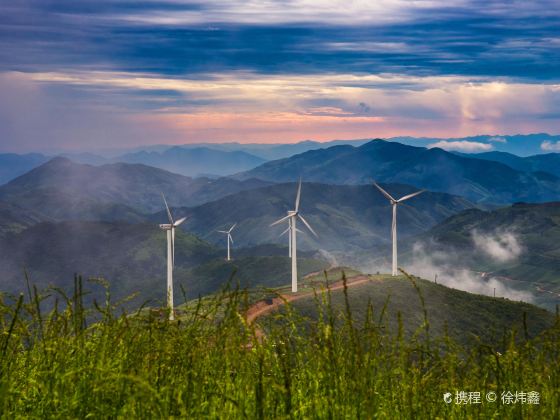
(264, 151)
(434, 169)
(345, 217)
(13, 165)
(518, 246)
(462, 315)
(132, 257)
(549, 162)
(62, 189)
(195, 161)
(14, 218)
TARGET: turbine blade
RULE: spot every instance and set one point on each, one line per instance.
(281, 220)
(406, 197)
(231, 228)
(230, 238)
(222, 231)
(298, 195)
(167, 208)
(307, 224)
(385, 193)
(283, 233)
(178, 222)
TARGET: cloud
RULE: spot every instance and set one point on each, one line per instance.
(550, 146)
(136, 108)
(501, 246)
(462, 146)
(498, 139)
(447, 267)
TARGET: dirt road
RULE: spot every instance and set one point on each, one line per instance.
(262, 307)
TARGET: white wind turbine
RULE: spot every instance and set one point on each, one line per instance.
(229, 239)
(395, 203)
(170, 229)
(292, 217)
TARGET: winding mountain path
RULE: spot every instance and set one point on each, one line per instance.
(262, 307)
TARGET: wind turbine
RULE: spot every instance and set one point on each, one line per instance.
(395, 203)
(292, 217)
(229, 239)
(170, 229)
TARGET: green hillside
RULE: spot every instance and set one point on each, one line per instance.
(462, 315)
(527, 242)
(248, 273)
(132, 257)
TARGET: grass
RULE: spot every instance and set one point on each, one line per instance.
(464, 316)
(92, 362)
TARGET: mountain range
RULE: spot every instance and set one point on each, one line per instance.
(482, 181)
(61, 189)
(195, 161)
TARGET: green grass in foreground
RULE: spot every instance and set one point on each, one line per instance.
(210, 365)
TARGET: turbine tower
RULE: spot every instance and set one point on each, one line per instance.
(292, 217)
(229, 239)
(170, 229)
(395, 203)
(289, 232)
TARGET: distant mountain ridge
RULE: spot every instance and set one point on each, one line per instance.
(62, 189)
(549, 162)
(434, 169)
(195, 161)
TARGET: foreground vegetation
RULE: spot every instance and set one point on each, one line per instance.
(77, 362)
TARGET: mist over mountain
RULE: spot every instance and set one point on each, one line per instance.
(195, 161)
(518, 245)
(345, 217)
(433, 169)
(62, 189)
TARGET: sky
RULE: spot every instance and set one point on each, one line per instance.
(105, 73)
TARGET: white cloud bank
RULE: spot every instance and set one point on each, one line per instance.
(550, 146)
(462, 146)
(446, 266)
(501, 246)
